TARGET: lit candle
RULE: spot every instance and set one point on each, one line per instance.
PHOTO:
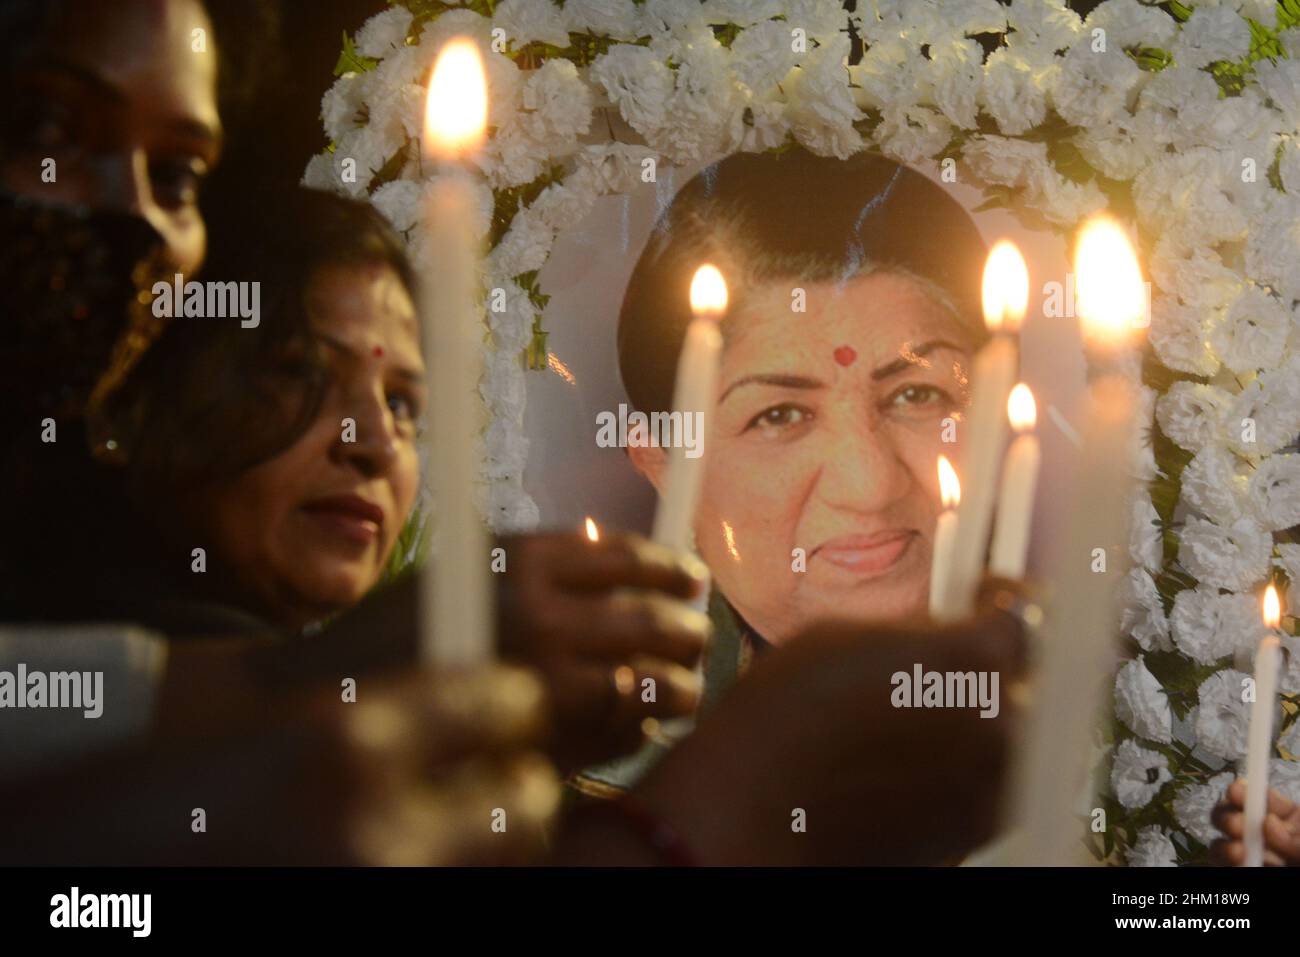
(693, 395)
(1005, 296)
(593, 533)
(1079, 629)
(1259, 740)
(945, 536)
(457, 628)
(1019, 478)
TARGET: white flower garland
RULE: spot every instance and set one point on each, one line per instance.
(1190, 122)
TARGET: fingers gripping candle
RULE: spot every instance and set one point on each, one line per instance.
(1006, 295)
(456, 605)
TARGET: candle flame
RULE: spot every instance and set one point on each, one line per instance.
(949, 486)
(1272, 607)
(1110, 292)
(1021, 408)
(708, 292)
(455, 112)
(1006, 287)
(593, 533)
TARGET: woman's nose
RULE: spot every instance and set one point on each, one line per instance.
(367, 440)
(124, 184)
(862, 470)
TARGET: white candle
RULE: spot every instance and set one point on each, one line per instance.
(1080, 626)
(1019, 478)
(1005, 296)
(945, 536)
(456, 600)
(694, 395)
(1259, 740)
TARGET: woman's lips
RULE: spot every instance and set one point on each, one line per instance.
(867, 556)
(348, 516)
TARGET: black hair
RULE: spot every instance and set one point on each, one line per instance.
(212, 398)
(764, 216)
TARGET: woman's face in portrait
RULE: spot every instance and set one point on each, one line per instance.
(123, 102)
(825, 439)
(309, 531)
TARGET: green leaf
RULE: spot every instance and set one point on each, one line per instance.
(350, 61)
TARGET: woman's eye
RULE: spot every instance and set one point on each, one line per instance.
(406, 408)
(779, 417)
(918, 396)
(176, 182)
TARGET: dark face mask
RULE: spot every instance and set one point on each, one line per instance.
(74, 317)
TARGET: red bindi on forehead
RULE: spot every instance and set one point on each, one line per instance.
(378, 352)
(845, 355)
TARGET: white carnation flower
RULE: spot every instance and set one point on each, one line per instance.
(1289, 166)
(384, 32)
(1208, 626)
(619, 19)
(559, 102)
(1193, 415)
(1143, 613)
(1212, 34)
(888, 74)
(1194, 804)
(638, 83)
(1253, 332)
(744, 13)
(369, 150)
(616, 166)
(1275, 491)
(1280, 79)
(1060, 200)
(320, 174)
(954, 73)
(1137, 774)
(1119, 149)
(1214, 483)
(821, 109)
(1235, 557)
(512, 157)
(1141, 703)
(1270, 406)
(768, 126)
(1289, 562)
(399, 202)
(912, 134)
(824, 20)
(1222, 719)
(1179, 336)
(1285, 776)
(1130, 24)
(763, 55)
(340, 107)
(1273, 244)
(510, 508)
(1153, 848)
(704, 117)
(524, 247)
(1043, 24)
(1004, 160)
(526, 21)
(511, 326)
(564, 205)
(1190, 189)
(1146, 542)
(1193, 272)
(1015, 89)
(1091, 88)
